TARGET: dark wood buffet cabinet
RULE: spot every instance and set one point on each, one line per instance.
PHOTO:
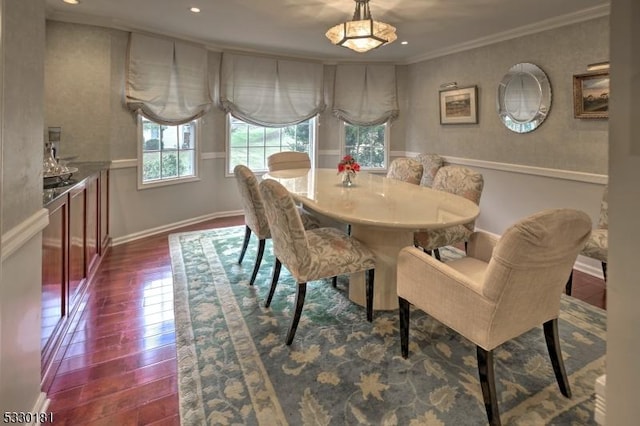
(73, 245)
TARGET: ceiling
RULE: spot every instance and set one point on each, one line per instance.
(296, 27)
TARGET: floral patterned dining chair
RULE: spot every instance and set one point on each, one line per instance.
(310, 255)
(460, 181)
(431, 163)
(405, 169)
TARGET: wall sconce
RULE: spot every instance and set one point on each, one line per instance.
(598, 66)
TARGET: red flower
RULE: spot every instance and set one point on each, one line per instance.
(348, 164)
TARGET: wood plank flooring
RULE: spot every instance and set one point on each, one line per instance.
(120, 367)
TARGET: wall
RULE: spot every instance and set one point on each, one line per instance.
(623, 291)
(22, 36)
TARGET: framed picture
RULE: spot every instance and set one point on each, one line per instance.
(459, 105)
(591, 95)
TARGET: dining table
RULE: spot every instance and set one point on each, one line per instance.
(382, 213)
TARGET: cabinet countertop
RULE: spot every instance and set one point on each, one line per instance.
(85, 170)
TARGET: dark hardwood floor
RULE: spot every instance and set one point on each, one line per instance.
(120, 367)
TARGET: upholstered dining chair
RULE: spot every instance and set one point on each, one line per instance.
(288, 160)
(500, 290)
(254, 215)
(597, 246)
(431, 163)
(405, 169)
(460, 181)
(310, 254)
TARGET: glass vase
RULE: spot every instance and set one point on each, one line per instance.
(348, 179)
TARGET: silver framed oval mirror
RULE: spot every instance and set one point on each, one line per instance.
(524, 98)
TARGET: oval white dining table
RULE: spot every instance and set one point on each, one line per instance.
(383, 214)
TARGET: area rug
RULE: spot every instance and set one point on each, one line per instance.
(234, 368)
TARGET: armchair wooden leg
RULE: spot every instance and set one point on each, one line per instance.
(404, 326)
(334, 281)
(274, 282)
(488, 385)
(553, 345)
(569, 286)
(256, 267)
(369, 294)
(302, 291)
(436, 252)
(245, 243)
(604, 271)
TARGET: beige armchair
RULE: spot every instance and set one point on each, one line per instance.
(597, 246)
(405, 169)
(500, 290)
(254, 215)
(460, 181)
(288, 160)
(312, 254)
(431, 163)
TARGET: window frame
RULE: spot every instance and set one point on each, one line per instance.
(313, 145)
(172, 180)
(387, 132)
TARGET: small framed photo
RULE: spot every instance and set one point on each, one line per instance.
(459, 105)
(591, 95)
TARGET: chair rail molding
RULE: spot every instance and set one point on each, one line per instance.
(19, 235)
(523, 169)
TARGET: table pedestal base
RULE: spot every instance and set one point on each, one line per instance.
(386, 244)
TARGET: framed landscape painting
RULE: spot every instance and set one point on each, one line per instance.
(591, 95)
(459, 105)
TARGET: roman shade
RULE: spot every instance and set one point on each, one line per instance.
(167, 80)
(365, 94)
(270, 92)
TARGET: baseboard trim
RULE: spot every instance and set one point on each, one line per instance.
(600, 405)
(170, 227)
(19, 235)
(41, 406)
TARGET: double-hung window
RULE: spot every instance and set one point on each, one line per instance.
(251, 145)
(367, 144)
(168, 154)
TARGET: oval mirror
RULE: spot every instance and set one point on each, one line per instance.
(524, 98)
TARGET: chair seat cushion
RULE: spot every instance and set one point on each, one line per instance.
(333, 252)
(436, 238)
(597, 245)
(474, 269)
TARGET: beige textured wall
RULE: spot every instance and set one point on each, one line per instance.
(562, 142)
(22, 37)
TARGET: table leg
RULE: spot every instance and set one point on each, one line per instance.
(386, 244)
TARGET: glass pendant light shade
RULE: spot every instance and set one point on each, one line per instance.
(362, 33)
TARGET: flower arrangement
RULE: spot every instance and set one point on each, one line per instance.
(348, 167)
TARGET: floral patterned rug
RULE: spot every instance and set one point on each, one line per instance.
(234, 368)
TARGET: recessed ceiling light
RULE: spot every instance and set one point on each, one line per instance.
(195, 9)
(71, 1)
(404, 42)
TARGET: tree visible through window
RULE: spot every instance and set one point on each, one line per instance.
(251, 145)
(168, 152)
(366, 144)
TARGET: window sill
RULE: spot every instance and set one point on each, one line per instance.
(167, 182)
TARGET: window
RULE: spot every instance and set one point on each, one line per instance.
(251, 145)
(168, 153)
(367, 144)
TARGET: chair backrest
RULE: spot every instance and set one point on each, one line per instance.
(288, 160)
(530, 266)
(431, 163)
(460, 181)
(603, 221)
(405, 169)
(290, 244)
(252, 204)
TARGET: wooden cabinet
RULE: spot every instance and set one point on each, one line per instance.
(73, 244)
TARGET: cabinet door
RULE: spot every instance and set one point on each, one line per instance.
(77, 272)
(104, 210)
(91, 222)
(54, 275)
